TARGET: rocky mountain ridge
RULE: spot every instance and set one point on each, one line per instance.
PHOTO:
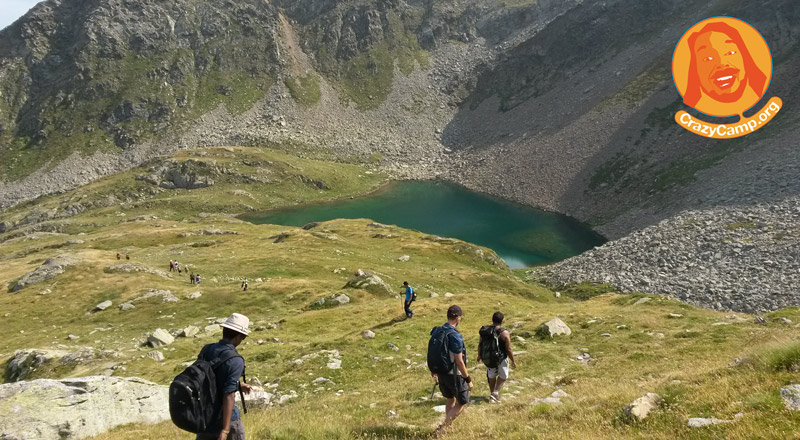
(563, 105)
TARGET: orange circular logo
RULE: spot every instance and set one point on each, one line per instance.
(722, 66)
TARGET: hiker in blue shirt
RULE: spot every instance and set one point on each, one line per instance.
(409, 298)
(228, 424)
(455, 386)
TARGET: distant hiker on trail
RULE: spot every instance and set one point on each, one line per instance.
(226, 366)
(191, 278)
(244, 285)
(119, 257)
(197, 279)
(447, 361)
(495, 352)
(127, 257)
(171, 265)
(410, 297)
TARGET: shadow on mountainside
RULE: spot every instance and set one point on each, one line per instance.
(586, 123)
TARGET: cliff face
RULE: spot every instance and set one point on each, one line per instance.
(107, 75)
(562, 104)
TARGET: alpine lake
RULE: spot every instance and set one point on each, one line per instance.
(521, 235)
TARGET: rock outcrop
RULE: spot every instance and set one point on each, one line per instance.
(46, 409)
(26, 362)
(135, 267)
(51, 268)
(369, 282)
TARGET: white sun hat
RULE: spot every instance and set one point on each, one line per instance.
(238, 322)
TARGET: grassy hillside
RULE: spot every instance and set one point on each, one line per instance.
(688, 359)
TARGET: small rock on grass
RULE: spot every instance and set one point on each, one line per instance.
(102, 306)
(546, 401)
(791, 397)
(643, 406)
(368, 334)
(700, 422)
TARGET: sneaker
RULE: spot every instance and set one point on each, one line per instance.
(495, 397)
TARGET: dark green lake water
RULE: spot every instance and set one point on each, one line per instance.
(521, 235)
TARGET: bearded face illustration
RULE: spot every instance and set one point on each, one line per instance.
(721, 67)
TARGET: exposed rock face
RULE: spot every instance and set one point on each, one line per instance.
(25, 362)
(77, 408)
(191, 174)
(49, 269)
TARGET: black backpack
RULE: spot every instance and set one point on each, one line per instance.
(489, 347)
(194, 401)
(438, 356)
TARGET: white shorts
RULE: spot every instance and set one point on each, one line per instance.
(500, 371)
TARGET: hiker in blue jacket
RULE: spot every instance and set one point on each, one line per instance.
(408, 300)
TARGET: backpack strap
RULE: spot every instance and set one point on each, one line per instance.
(447, 348)
(225, 357)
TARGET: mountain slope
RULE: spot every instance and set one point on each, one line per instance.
(702, 362)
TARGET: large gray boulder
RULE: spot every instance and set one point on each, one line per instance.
(552, 328)
(46, 409)
(790, 395)
(159, 338)
(49, 269)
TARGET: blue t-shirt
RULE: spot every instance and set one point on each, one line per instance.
(455, 344)
(409, 291)
(227, 374)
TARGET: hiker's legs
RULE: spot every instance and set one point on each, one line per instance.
(452, 411)
(498, 384)
(501, 376)
(407, 308)
(492, 382)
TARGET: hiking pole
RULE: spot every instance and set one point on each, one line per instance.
(433, 390)
(241, 393)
